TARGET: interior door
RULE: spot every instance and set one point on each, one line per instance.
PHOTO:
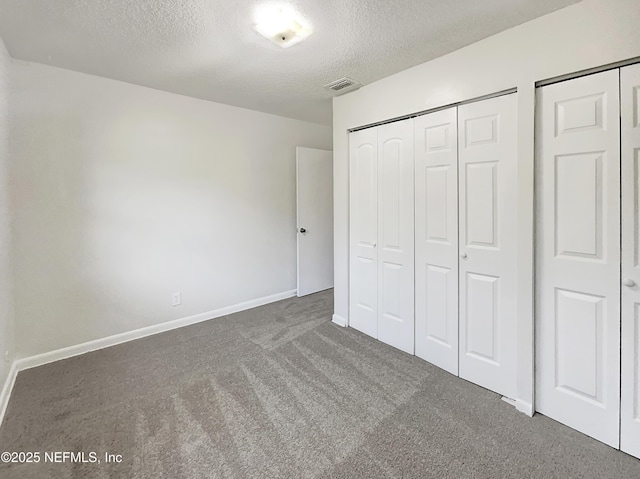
(578, 255)
(363, 232)
(314, 198)
(396, 235)
(487, 187)
(436, 249)
(630, 378)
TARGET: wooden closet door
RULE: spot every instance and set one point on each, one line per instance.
(488, 220)
(436, 223)
(630, 379)
(578, 255)
(396, 235)
(363, 231)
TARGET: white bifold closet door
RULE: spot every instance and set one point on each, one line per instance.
(487, 171)
(382, 233)
(436, 163)
(363, 231)
(466, 241)
(630, 401)
(578, 255)
(396, 235)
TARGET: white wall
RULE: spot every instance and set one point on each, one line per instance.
(584, 35)
(6, 283)
(126, 194)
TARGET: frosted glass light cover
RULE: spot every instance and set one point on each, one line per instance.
(282, 28)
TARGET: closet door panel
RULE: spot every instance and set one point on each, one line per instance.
(578, 255)
(363, 231)
(396, 235)
(630, 153)
(436, 223)
(487, 219)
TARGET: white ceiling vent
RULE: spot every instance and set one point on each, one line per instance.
(343, 85)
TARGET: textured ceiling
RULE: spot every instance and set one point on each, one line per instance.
(208, 48)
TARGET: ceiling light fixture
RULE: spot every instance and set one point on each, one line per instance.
(282, 27)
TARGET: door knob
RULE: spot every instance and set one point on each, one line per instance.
(629, 283)
(302, 230)
(374, 245)
(463, 255)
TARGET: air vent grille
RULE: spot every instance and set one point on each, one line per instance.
(343, 85)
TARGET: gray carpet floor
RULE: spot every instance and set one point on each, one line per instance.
(281, 392)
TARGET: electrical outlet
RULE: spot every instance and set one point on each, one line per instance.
(177, 299)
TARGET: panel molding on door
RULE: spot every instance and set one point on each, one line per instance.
(396, 235)
(578, 255)
(436, 249)
(487, 152)
(363, 231)
(630, 153)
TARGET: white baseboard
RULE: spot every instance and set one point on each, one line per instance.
(7, 387)
(509, 400)
(339, 320)
(78, 349)
(524, 407)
